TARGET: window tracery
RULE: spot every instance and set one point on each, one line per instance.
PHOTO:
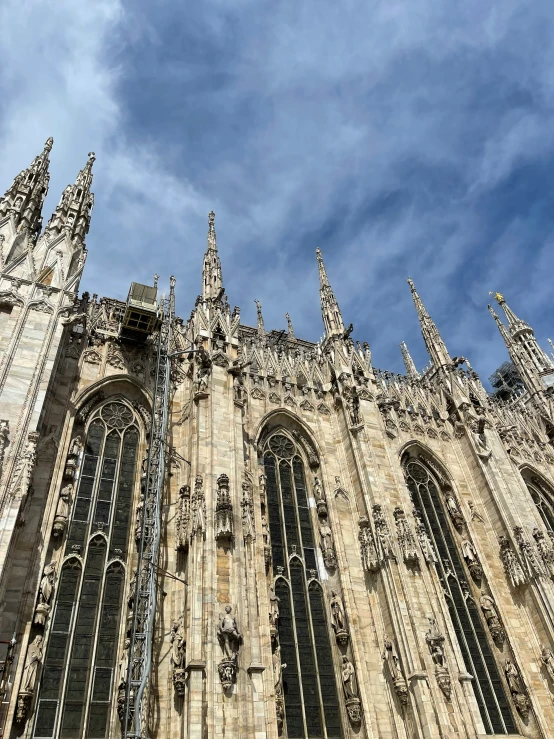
(464, 613)
(309, 684)
(78, 682)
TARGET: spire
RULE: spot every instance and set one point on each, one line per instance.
(435, 345)
(212, 278)
(261, 328)
(290, 328)
(411, 371)
(332, 318)
(515, 324)
(72, 213)
(24, 199)
(530, 360)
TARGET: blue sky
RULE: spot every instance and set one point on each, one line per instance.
(410, 138)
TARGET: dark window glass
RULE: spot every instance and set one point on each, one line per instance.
(82, 651)
(472, 638)
(312, 709)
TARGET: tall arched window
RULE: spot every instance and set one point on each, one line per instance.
(543, 499)
(78, 685)
(309, 681)
(465, 615)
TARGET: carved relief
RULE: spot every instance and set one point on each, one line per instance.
(533, 564)
(511, 565)
(384, 537)
(425, 543)
(545, 549)
(370, 558)
(406, 538)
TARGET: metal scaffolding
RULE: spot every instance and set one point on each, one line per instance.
(137, 688)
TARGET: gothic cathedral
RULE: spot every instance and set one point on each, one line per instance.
(215, 530)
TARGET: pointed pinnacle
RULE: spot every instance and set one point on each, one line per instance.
(49, 144)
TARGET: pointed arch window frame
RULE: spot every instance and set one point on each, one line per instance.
(453, 574)
(292, 560)
(109, 561)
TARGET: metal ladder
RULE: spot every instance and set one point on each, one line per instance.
(135, 718)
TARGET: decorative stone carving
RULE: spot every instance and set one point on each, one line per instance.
(313, 459)
(545, 549)
(471, 559)
(479, 436)
(138, 519)
(435, 642)
(406, 539)
(488, 607)
(370, 558)
(237, 371)
(182, 519)
(350, 688)
(327, 545)
(223, 510)
(425, 543)
(263, 484)
(547, 658)
(230, 640)
(519, 695)
(511, 565)
(4, 433)
(353, 405)
(319, 496)
(29, 679)
(115, 357)
(382, 530)
(338, 620)
(274, 601)
(24, 467)
(395, 673)
(453, 510)
(267, 547)
(278, 668)
(247, 505)
(62, 511)
(203, 369)
(533, 564)
(475, 515)
(46, 588)
(198, 512)
(178, 655)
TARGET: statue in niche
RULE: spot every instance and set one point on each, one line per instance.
(471, 559)
(319, 496)
(46, 588)
(138, 518)
(204, 366)
(263, 483)
(326, 536)
(338, 620)
(62, 511)
(278, 668)
(348, 679)
(516, 688)
(34, 659)
(453, 510)
(397, 678)
(274, 601)
(547, 658)
(228, 634)
(178, 655)
(480, 438)
(124, 662)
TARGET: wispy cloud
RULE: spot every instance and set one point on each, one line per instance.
(401, 138)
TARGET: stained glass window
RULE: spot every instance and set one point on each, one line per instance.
(78, 684)
(466, 619)
(309, 682)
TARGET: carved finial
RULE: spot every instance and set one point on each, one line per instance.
(49, 144)
(156, 278)
(498, 297)
(91, 158)
(290, 328)
(211, 218)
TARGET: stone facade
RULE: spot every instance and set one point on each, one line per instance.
(344, 552)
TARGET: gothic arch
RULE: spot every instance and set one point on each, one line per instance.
(438, 513)
(78, 683)
(310, 694)
(416, 448)
(542, 494)
(113, 384)
(285, 419)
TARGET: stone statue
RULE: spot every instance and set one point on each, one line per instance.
(265, 531)
(273, 608)
(326, 537)
(62, 511)
(337, 613)
(547, 658)
(519, 695)
(318, 490)
(124, 662)
(178, 645)
(391, 658)
(47, 583)
(453, 510)
(348, 679)
(228, 634)
(34, 659)
(263, 483)
(278, 668)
